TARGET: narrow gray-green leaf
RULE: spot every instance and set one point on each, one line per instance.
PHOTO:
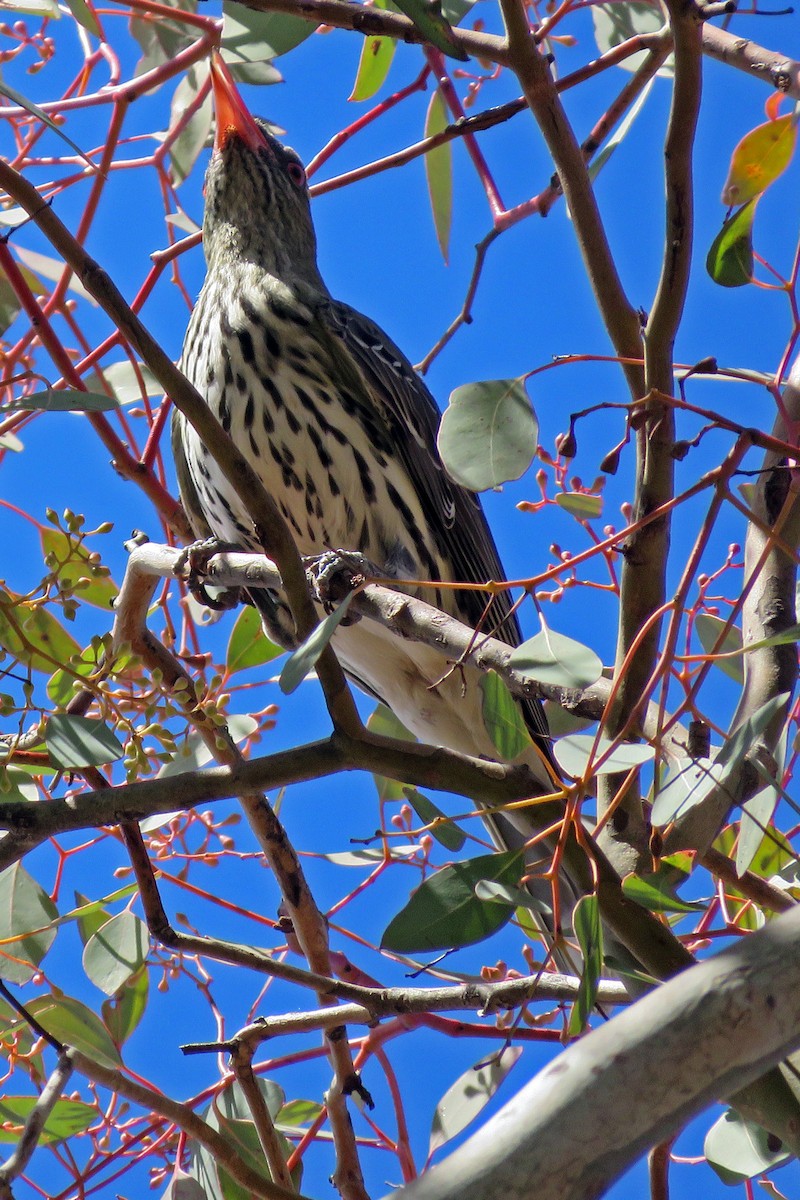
(84, 16)
(756, 816)
(581, 505)
(439, 173)
(80, 741)
(304, 658)
(66, 400)
(488, 434)
(512, 897)
(589, 932)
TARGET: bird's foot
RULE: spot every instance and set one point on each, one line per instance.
(334, 574)
(192, 565)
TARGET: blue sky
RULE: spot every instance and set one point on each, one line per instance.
(378, 251)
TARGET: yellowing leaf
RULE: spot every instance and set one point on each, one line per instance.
(761, 156)
(439, 173)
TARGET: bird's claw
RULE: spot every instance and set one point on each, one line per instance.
(192, 564)
(334, 574)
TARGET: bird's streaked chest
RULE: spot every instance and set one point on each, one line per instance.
(273, 387)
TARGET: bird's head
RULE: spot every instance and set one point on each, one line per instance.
(256, 196)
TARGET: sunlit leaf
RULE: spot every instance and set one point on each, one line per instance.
(589, 932)
(502, 716)
(465, 1099)
(32, 635)
(248, 645)
(738, 1149)
(65, 1119)
(123, 1012)
(761, 156)
(116, 952)
(26, 916)
(580, 504)
(444, 910)
(373, 66)
(753, 823)
(488, 434)
(616, 23)
(439, 173)
(73, 1024)
(656, 892)
(730, 259)
(74, 563)
(250, 36)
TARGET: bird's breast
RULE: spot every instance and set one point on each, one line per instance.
(321, 454)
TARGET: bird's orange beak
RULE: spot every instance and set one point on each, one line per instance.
(233, 118)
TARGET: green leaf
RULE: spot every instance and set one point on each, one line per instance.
(90, 916)
(761, 156)
(503, 718)
(710, 630)
(573, 755)
(162, 40)
(580, 505)
(116, 952)
(303, 660)
(655, 891)
(186, 147)
(65, 1119)
(617, 22)
(32, 635)
(444, 910)
(74, 563)
(73, 1024)
(433, 27)
(369, 856)
(730, 259)
(230, 1115)
(738, 1149)
(123, 1012)
(80, 741)
(26, 924)
(488, 434)
(383, 722)
(465, 1099)
(373, 66)
(756, 816)
(439, 173)
(551, 657)
(249, 36)
(248, 645)
(446, 832)
(589, 932)
(10, 304)
(84, 16)
(297, 1113)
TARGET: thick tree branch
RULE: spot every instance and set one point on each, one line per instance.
(708, 1033)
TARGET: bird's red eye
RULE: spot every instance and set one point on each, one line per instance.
(296, 173)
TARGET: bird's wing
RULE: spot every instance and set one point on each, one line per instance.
(186, 485)
(409, 412)
(394, 389)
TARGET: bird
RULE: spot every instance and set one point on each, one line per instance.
(342, 432)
